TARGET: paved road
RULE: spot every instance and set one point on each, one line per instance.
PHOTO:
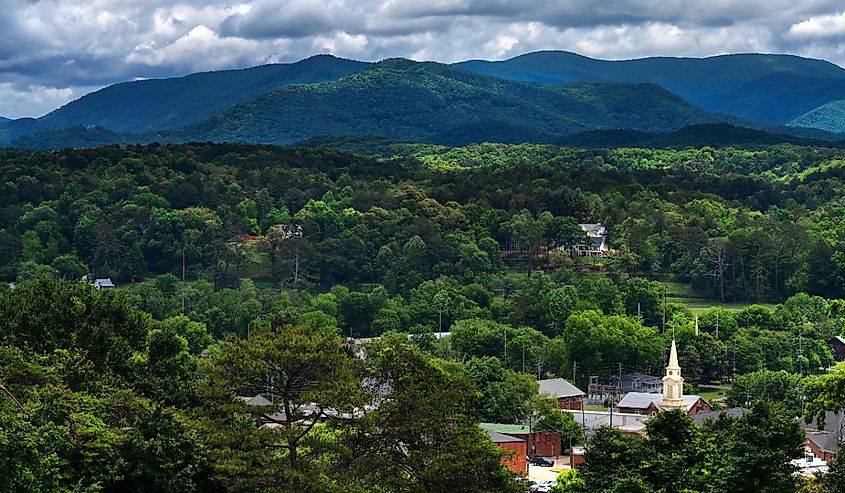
(537, 473)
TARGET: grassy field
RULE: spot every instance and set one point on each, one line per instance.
(712, 394)
(684, 294)
(840, 366)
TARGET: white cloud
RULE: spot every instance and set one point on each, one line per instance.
(34, 99)
(201, 49)
(74, 44)
(819, 27)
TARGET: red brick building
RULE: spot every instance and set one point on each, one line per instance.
(576, 458)
(542, 443)
(568, 396)
(515, 459)
(822, 444)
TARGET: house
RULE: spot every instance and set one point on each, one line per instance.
(595, 245)
(517, 448)
(242, 240)
(638, 382)
(837, 345)
(824, 442)
(256, 401)
(544, 443)
(286, 230)
(100, 284)
(568, 396)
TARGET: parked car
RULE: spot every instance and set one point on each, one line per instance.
(544, 487)
(539, 460)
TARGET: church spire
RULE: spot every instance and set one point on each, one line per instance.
(673, 383)
(673, 358)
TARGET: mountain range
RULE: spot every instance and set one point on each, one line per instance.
(543, 97)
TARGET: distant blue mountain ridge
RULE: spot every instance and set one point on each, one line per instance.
(537, 97)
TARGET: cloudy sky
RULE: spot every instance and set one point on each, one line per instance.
(53, 51)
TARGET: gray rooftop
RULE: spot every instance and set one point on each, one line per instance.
(642, 400)
(256, 401)
(502, 438)
(735, 412)
(833, 422)
(558, 387)
(825, 440)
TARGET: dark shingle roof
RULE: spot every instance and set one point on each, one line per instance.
(502, 438)
(558, 387)
(825, 440)
(831, 422)
(735, 412)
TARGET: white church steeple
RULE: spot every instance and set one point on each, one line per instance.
(673, 383)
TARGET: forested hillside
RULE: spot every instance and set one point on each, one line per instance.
(830, 116)
(223, 361)
(539, 97)
(158, 104)
(129, 213)
(772, 89)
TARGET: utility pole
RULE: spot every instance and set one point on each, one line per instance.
(574, 366)
(523, 358)
(612, 404)
(734, 367)
(183, 263)
(506, 347)
(717, 325)
(800, 354)
(664, 307)
(639, 312)
(583, 427)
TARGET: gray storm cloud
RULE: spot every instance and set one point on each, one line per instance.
(53, 51)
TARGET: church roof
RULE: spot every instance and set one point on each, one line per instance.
(642, 400)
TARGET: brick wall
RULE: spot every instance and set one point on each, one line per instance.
(516, 462)
(544, 443)
(818, 451)
(571, 403)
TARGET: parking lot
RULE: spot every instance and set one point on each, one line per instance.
(539, 473)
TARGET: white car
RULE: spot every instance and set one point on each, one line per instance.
(544, 486)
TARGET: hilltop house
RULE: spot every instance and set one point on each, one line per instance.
(596, 244)
(100, 284)
(837, 345)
